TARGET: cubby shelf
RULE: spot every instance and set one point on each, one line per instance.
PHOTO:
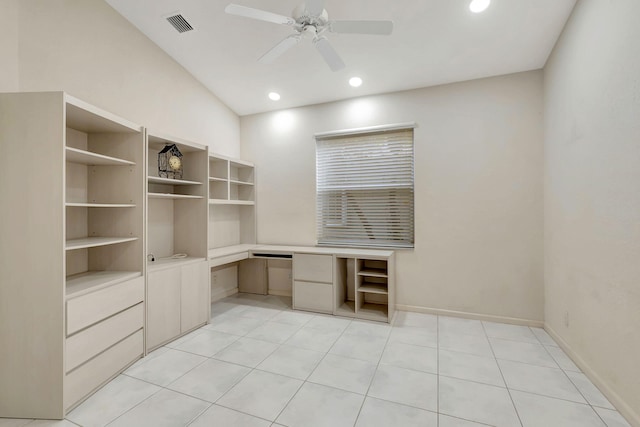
(169, 181)
(92, 242)
(100, 205)
(373, 288)
(373, 272)
(84, 157)
(232, 181)
(172, 196)
(231, 202)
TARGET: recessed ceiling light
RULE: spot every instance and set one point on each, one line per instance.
(274, 96)
(477, 6)
(355, 81)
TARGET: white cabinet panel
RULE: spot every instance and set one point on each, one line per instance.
(194, 300)
(313, 296)
(163, 306)
(313, 268)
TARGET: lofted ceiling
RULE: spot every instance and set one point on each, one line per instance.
(433, 42)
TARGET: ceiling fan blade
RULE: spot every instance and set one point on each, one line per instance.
(329, 54)
(314, 7)
(362, 27)
(279, 49)
(261, 15)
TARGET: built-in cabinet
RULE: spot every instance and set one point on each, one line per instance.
(177, 209)
(177, 301)
(313, 282)
(71, 252)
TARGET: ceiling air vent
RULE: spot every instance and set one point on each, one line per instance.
(179, 23)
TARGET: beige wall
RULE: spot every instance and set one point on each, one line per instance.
(592, 195)
(87, 49)
(9, 45)
(478, 184)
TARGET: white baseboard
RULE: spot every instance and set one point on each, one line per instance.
(474, 316)
(631, 414)
(218, 294)
(280, 293)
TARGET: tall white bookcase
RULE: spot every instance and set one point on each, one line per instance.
(177, 209)
(71, 252)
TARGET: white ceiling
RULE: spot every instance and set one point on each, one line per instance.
(433, 42)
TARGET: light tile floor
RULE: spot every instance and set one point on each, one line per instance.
(261, 364)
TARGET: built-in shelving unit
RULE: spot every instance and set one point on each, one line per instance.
(364, 288)
(230, 181)
(177, 212)
(232, 202)
(177, 208)
(77, 264)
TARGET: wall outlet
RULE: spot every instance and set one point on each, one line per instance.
(566, 319)
(214, 279)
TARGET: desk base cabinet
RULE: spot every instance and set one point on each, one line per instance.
(177, 301)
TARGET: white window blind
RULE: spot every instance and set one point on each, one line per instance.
(365, 189)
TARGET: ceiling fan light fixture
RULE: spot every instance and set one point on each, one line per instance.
(355, 81)
(477, 6)
(274, 96)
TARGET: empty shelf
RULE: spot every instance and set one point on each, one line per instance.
(91, 242)
(373, 272)
(99, 205)
(373, 288)
(170, 181)
(172, 196)
(93, 159)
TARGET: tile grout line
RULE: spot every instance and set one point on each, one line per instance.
(502, 375)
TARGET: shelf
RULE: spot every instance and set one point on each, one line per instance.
(80, 284)
(346, 309)
(215, 179)
(75, 155)
(233, 181)
(91, 242)
(373, 288)
(169, 181)
(99, 205)
(373, 272)
(230, 202)
(370, 311)
(171, 196)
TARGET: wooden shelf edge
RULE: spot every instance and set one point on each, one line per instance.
(373, 289)
(172, 196)
(76, 155)
(92, 242)
(100, 205)
(170, 181)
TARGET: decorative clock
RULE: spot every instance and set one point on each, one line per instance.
(170, 162)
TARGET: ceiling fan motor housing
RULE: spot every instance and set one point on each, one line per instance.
(304, 19)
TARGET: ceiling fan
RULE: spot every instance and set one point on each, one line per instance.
(311, 20)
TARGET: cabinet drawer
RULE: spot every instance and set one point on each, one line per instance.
(313, 268)
(91, 308)
(313, 296)
(97, 338)
(79, 383)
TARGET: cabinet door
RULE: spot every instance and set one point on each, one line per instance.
(252, 276)
(194, 299)
(163, 306)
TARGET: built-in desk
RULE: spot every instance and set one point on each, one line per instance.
(341, 281)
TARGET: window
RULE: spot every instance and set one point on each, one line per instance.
(364, 188)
